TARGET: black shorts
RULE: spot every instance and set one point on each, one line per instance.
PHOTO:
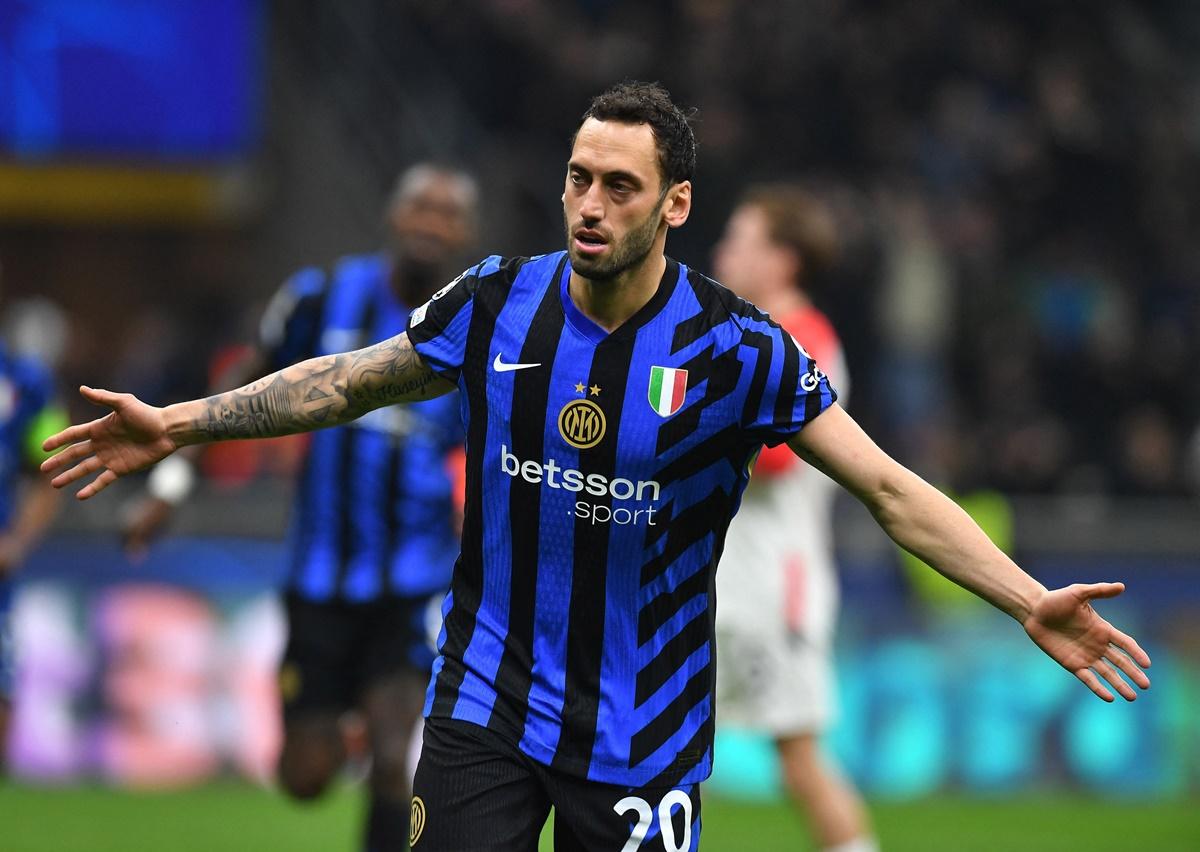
(336, 650)
(475, 790)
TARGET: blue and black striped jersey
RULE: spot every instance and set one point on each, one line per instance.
(602, 472)
(374, 509)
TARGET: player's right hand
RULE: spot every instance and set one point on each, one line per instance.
(129, 438)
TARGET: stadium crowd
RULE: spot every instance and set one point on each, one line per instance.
(1017, 182)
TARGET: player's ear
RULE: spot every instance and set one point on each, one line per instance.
(678, 204)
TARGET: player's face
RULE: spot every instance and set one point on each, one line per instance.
(434, 224)
(613, 202)
(746, 260)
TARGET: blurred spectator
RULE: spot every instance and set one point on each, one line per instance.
(1034, 175)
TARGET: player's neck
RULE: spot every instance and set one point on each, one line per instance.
(611, 302)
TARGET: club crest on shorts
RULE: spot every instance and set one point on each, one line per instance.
(416, 822)
(668, 387)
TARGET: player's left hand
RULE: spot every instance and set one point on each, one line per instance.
(1064, 625)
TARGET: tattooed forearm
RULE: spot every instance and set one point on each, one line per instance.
(319, 392)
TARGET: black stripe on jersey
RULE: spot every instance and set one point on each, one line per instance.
(659, 610)
(531, 392)
(685, 758)
(715, 309)
(789, 380)
(348, 471)
(717, 446)
(693, 524)
(664, 726)
(467, 583)
(681, 646)
(761, 343)
(585, 643)
(666, 516)
(692, 329)
(721, 374)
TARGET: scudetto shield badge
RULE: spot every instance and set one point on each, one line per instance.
(581, 423)
(668, 387)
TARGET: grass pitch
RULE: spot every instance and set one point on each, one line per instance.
(234, 816)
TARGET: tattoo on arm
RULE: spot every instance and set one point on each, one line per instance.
(319, 392)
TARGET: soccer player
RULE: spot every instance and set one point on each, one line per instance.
(374, 533)
(613, 400)
(776, 585)
(28, 415)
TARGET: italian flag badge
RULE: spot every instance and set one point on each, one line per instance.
(668, 387)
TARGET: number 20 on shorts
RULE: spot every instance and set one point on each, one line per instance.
(665, 825)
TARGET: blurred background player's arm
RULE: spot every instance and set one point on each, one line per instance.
(37, 503)
(314, 394)
(287, 334)
(928, 524)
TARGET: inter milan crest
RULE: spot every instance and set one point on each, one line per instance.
(416, 821)
(581, 423)
(668, 387)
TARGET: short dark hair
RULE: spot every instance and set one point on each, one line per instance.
(635, 102)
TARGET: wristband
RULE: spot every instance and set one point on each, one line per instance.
(171, 480)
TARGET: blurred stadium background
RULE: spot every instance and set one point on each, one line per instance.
(1018, 186)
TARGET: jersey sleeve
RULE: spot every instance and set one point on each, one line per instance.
(818, 338)
(788, 390)
(291, 325)
(438, 329)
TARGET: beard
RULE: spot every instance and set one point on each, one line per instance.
(631, 250)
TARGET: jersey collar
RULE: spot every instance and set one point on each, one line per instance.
(596, 334)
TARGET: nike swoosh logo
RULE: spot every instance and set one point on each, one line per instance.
(500, 367)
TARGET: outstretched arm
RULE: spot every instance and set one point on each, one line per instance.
(928, 524)
(310, 395)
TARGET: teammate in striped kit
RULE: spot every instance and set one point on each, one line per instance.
(777, 583)
(576, 664)
(373, 535)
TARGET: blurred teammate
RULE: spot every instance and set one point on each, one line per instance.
(613, 400)
(374, 533)
(777, 586)
(27, 416)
